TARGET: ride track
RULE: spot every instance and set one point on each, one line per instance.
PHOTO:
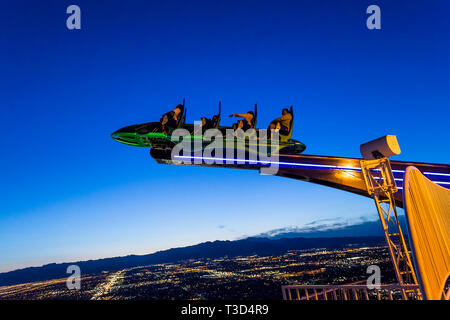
(338, 172)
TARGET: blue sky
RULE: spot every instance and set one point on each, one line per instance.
(69, 192)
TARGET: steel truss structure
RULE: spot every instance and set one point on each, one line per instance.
(381, 186)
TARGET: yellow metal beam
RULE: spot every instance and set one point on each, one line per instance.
(427, 207)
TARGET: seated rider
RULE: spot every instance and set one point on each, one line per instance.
(204, 125)
(247, 123)
(215, 121)
(169, 120)
(162, 125)
(174, 116)
(283, 123)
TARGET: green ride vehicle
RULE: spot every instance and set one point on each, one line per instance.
(162, 143)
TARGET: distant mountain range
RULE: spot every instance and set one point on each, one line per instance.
(325, 233)
(333, 228)
(216, 249)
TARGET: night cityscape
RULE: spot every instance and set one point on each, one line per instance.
(239, 278)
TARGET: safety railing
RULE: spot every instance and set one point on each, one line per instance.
(354, 291)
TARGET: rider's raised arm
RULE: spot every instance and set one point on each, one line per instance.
(238, 115)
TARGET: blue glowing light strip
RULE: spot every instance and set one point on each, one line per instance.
(272, 162)
(438, 174)
(401, 180)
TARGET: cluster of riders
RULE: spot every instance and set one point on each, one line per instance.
(281, 124)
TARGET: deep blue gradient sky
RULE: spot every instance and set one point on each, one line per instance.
(69, 192)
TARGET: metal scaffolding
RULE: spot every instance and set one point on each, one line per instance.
(381, 187)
